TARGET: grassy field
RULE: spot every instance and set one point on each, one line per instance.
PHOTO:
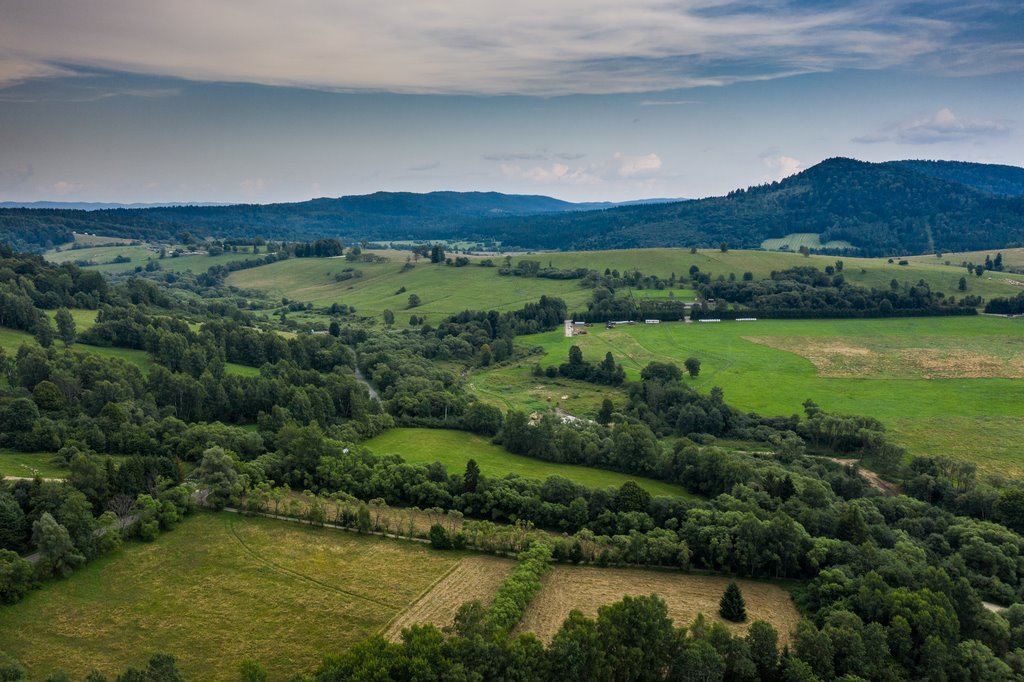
(454, 448)
(809, 239)
(585, 588)
(869, 272)
(219, 589)
(28, 464)
(446, 290)
(443, 290)
(103, 257)
(942, 385)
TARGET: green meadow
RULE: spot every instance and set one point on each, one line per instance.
(941, 385)
(218, 589)
(29, 465)
(443, 290)
(455, 448)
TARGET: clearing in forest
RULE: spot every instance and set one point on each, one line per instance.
(585, 588)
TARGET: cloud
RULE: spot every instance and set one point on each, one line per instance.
(556, 173)
(633, 166)
(532, 47)
(668, 102)
(618, 167)
(14, 70)
(871, 139)
(537, 155)
(782, 166)
(944, 126)
(62, 188)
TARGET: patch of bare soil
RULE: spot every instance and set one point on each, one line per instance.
(585, 588)
(475, 577)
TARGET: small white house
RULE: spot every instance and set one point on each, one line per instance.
(652, 321)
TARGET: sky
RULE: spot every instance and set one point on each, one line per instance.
(264, 101)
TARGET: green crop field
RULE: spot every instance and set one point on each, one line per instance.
(29, 464)
(794, 241)
(942, 385)
(454, 448)
(218, 589)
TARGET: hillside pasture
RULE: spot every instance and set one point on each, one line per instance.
(455, 448)
(585, 588)
(216, 590)
(443, 290)
(955, 375)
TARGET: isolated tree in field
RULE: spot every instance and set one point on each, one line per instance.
(389, 318)
(437, 253)
(692, 366)
(963, 284)
(723, 247)
(604, 416)
(59, 554)
(471, 478)
(748, 276)
(732, 607)
(219, 475)
(335, 329)
(66, 326)
(979, 270)
(414, 301)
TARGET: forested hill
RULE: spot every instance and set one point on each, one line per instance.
(382, 215)
(882, 209)
(1007, 181)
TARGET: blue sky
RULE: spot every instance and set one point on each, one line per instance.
(137, 101)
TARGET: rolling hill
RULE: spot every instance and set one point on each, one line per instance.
(892, 208)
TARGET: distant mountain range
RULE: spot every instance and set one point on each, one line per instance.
(897, 207)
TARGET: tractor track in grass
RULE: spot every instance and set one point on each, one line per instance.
(229, 522)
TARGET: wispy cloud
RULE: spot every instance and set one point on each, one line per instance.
(942, 126)
(534, 47)
(619, 167)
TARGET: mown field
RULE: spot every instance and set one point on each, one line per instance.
(102, 258)
(216, 590)
(455, 448)
(942, 385)
(585, 588)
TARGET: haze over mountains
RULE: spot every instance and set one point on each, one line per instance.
(898, 207)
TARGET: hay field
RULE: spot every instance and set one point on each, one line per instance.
(473, 578)
(585, 588)
(218, 589)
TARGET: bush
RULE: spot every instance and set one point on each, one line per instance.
(439, 537)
